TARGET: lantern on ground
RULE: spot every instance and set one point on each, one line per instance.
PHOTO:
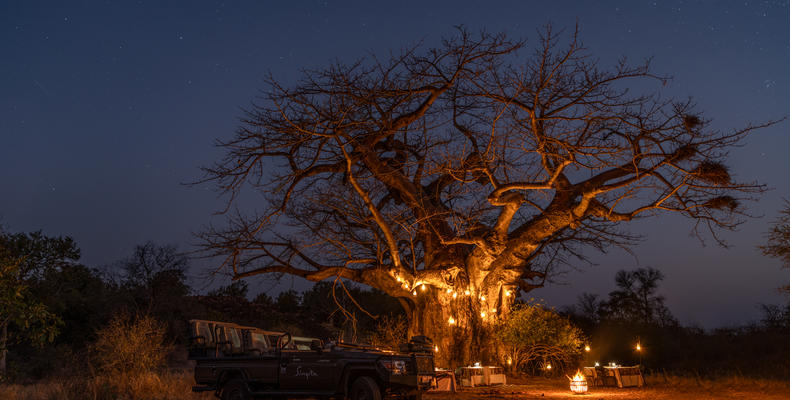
(578, 383)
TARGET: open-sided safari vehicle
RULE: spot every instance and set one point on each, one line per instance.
(242, 362)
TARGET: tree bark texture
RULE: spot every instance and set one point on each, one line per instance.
(462, 326)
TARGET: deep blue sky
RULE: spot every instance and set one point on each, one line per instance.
(106, 107)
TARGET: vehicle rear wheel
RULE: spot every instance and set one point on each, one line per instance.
(235, 389)
(365, 388)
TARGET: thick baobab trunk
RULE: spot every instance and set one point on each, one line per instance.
(461, 322)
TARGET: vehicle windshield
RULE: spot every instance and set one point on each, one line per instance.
(259, 341)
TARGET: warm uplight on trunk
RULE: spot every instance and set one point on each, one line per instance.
(460, 319)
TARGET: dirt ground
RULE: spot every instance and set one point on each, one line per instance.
(177, 387)
(655, 389)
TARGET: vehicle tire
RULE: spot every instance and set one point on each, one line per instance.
(235, 389)
(365, 388)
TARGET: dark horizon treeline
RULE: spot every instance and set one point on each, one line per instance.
(635, 313)
(75, 301)
(153, 281)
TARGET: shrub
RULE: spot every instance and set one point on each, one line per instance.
(131, 345)
(532, 337)
(390, 330)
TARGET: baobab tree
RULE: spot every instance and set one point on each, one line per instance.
(455, 178)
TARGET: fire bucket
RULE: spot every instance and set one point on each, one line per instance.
(578, 384)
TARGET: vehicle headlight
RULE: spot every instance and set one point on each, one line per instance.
(395, 367)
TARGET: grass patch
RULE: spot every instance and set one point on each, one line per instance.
(176, 385)
(723, 382)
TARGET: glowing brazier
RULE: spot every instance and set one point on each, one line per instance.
(578, 383)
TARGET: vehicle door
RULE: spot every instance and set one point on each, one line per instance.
(307, 370)
(264, 362)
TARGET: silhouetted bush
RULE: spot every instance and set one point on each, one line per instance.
(131, 346)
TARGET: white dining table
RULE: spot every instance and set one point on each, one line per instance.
(627, 376)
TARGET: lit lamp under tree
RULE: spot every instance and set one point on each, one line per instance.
(638, 349)
(586, 354)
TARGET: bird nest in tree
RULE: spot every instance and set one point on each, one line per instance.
(691, 121)
(712, 172)
(722, 202)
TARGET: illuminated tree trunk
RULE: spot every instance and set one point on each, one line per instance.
(461, 322)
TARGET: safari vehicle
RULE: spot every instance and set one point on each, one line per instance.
(241, 362)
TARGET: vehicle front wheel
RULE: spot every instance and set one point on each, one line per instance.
(365, 388)
(235, 389)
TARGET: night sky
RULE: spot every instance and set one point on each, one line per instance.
(106, 108)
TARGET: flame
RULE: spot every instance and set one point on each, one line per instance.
(578, 383)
